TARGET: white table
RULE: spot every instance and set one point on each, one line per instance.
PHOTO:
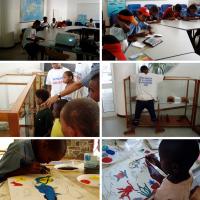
(175, 42)
(189, 56)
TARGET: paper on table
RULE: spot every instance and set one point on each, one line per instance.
(138, 44)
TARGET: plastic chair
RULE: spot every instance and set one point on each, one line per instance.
(133, 7)
(183, 6)
(164, 7)
(150, 5)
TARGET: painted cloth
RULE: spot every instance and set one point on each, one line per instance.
(18, 154)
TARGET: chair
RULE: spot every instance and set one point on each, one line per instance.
(164, 7)
(52, 54)
(150, 5)
(183, 6)
(133, 8)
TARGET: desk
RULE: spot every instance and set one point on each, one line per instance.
(189, 56)
(182, 24)
(175, 42)
(4, 191)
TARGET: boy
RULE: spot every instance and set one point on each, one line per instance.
(146, 93)
(91, 23)
(112, 49)
(44, 117)
(53, 23)
(143, 28)
(176, 159)
(190, 13)
(173, 12)
(24, 157)
(154, 15)
(45, 23)
(94, 88)
(120, 30)
(80, 118)
(57, 107)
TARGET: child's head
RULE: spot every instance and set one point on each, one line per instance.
(112, 48)
(56, 65)
(68, 77)
(36, 24)
(45, 19)
(80, 118)
(57, 107)
(192, 9)
(54, 20)
(154, 10)
(177, 8)
(94, 88)
(91, 20)
(143, 13)
(126, 17)
(178, 156)
(144, 69)
(49, 150)
(41, 96)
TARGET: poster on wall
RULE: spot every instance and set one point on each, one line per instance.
(114, 6)
(31, 10)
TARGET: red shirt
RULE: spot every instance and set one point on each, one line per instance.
(170, 13)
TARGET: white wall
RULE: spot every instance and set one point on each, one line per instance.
(104, 6)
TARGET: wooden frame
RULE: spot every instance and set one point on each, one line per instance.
(12, 115)
(184, 122)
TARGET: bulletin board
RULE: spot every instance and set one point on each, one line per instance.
(115, 6)
(31, 10)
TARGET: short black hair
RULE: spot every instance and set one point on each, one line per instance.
(109, 39)
(83, 115)
(42, 94)
(143, 68)
(125, 12)
(44, 18)
(178, 8)
(193, 7)
(69, 73)
(182, 152)
(59, 105)
(154, 8)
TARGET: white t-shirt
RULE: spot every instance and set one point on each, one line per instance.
(169, 190)
(55, 79)
(147, 85)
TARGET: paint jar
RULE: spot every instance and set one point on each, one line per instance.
(91, 163)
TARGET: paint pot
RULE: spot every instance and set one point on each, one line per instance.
(90, 161)
(85, 181)
(110, 152)
(104, 147)
(107, 160)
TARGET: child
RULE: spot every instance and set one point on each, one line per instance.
(154, 15)
(68, 79)
(176, 159)
(91, 23)
(190, 13)
(94, 88)
(122, 27)
(146, 92)
(57, 107)
(24, 157)
(54, 23)
(112, 49)
(143, 28)
(44, 117)
(173, 12)
(80, 118)
(45, 23)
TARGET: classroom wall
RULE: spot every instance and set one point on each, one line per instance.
(104, 6)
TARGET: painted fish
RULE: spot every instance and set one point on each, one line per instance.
(121, 175)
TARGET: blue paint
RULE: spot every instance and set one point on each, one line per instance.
(48, 191)
(104, 147)
(111, 152)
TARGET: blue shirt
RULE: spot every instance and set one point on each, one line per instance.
(94, 70)
(18, 154)
(186, 13)
(137, 29)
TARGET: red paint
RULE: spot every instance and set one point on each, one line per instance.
(16, 184)
(107, 160)
(155, 186)
(85, 181)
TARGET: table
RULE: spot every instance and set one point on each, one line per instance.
(71, 175)
(189, 56)
(175, 42)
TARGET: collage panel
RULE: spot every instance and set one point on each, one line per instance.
(150, 99)
(151, 30)
(49, 99)
(50, 30)
(150, 169)
(35, 169)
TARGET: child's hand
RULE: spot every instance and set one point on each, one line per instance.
(152, 159)
(132, 38)
(36, 168)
